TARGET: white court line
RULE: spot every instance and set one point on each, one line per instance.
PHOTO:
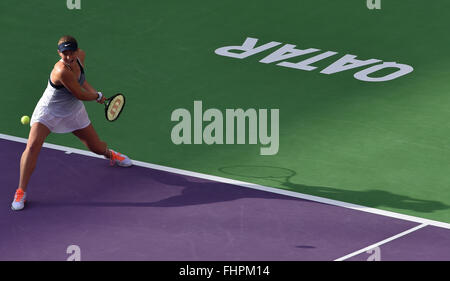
(248, 185)
(382, 242)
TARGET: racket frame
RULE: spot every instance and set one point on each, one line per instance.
(109, 102)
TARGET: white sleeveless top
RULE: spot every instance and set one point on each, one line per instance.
(59, 101)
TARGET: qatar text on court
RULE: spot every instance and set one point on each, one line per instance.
(288, 51)
(373, 4)
(213, 133)
(73, 4)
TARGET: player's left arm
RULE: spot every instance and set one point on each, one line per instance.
(86, 86)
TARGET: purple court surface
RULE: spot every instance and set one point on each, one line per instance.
(138, 213)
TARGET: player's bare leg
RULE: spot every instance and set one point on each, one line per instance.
(36, 138)
(91, 140)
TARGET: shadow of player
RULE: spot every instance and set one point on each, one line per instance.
(368, 198)
(197, 191)
(193, 191)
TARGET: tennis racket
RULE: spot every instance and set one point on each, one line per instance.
(114, 106)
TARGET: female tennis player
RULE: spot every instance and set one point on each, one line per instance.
(61, 110)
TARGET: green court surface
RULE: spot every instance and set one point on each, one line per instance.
(378, 144)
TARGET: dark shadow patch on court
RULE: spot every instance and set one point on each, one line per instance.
(369, 198)
(305, 247)
(192, 192)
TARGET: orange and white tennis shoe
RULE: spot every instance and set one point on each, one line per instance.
(19, 200)
(119, 159)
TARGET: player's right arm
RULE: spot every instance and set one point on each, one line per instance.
(69, 81)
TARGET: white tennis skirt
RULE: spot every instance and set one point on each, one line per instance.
(76, 121)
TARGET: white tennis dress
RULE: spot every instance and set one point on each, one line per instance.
(60, 110)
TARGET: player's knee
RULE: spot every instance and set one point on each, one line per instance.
(33, 147)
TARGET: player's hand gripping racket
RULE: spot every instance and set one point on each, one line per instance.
(114, 106)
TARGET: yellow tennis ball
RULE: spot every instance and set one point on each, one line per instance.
(25, 120)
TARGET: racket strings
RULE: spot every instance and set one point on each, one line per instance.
(115, 107)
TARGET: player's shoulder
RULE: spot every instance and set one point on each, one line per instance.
(60, 69)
